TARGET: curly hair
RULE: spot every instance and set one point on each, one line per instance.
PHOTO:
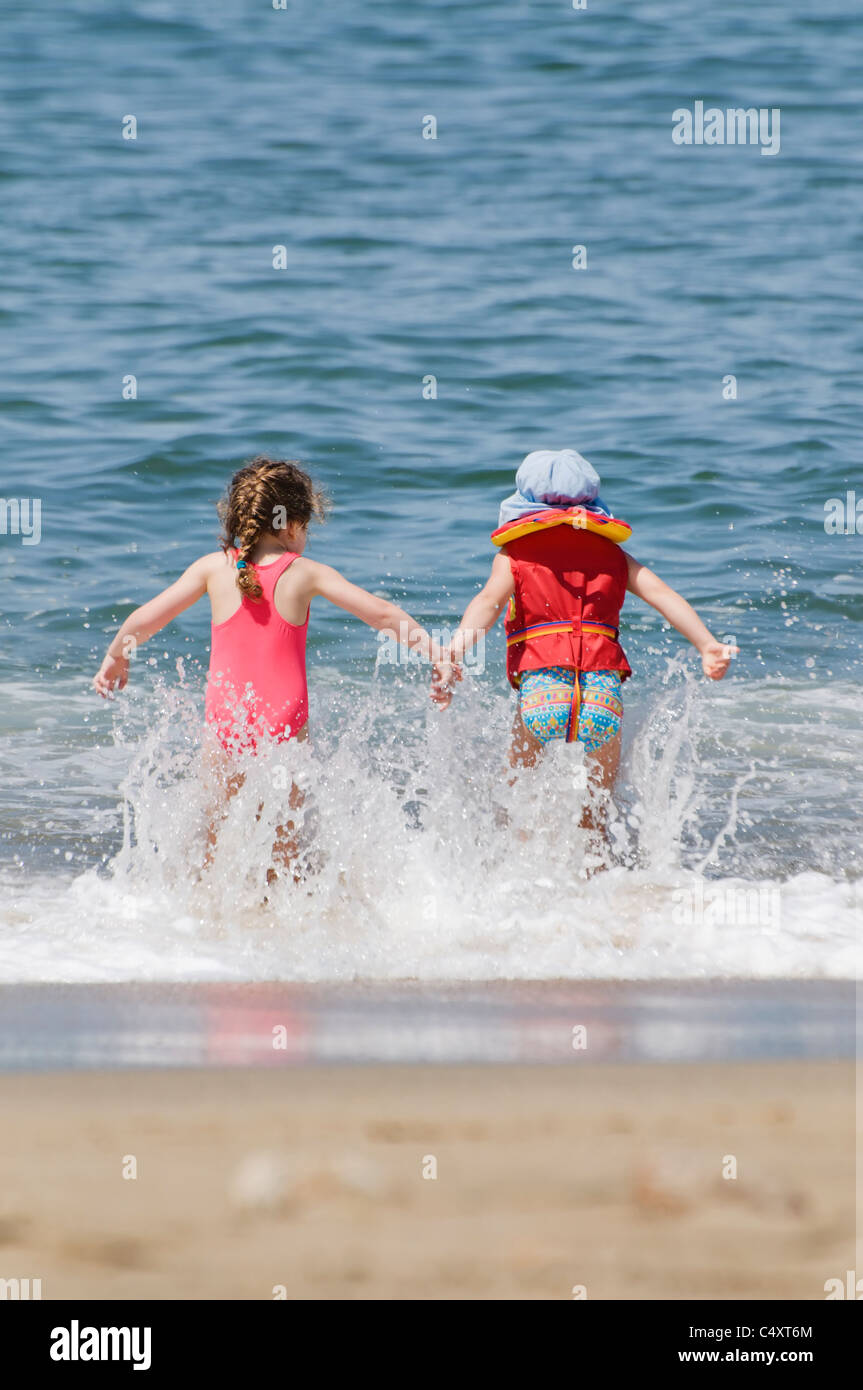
(265, 495)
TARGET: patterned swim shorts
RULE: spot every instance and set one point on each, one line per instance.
(545, 701)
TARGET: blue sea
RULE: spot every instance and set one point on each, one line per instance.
(426, 327)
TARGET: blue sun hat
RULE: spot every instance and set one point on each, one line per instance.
(550, 478)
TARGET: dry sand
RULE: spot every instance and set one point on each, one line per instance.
(609, 1177)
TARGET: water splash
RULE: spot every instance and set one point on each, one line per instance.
(422, 856)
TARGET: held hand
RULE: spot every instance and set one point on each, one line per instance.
(716, 658)
(114, 671)
(444, 677)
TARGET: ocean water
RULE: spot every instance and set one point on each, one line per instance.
(735, 842)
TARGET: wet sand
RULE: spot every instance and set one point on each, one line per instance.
(277, 1024)
(311, 1179)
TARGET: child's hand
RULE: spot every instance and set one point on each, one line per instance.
(114, 671)
(716, 658)
(444, 676)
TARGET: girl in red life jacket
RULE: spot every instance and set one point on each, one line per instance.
(563, 578)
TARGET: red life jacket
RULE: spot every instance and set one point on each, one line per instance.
(569, 589)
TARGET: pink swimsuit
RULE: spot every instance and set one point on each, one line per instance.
(256, 685)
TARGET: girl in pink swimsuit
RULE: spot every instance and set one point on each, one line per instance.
(256, 685)
(260, 586)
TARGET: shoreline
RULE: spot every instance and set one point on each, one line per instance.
(207, 1025)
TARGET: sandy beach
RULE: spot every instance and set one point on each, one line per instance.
(309, 1183)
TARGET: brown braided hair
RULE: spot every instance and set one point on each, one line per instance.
(263, 496)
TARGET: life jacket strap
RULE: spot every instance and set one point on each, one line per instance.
(529, 634)
(574, 711)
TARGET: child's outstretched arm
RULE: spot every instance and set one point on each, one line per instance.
(146, 621)
(641, 581)
(379, 613)
(481, 614)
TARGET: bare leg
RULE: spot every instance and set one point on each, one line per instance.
(525, 750)
(286, 846)
(228, 783)
(602, 765)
